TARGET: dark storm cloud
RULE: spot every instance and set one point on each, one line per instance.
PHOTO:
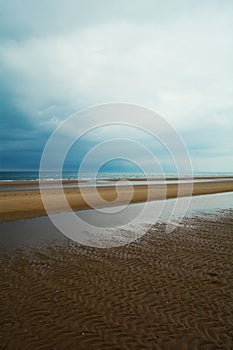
(21, 142)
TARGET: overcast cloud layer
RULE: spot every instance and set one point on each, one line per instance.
(175, 57)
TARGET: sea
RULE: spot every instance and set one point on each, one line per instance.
(6, 176)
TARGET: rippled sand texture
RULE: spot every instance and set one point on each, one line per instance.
(165, 291)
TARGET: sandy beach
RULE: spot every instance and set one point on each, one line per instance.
(22, 203)
(164, 291)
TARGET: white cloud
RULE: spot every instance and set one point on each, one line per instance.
(176, 60)
(182, 68)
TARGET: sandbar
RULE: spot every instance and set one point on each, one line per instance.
(25, 204)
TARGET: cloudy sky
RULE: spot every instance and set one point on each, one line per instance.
(173, 56)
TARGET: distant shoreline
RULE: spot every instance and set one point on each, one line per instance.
(4, 183)
(25, 204)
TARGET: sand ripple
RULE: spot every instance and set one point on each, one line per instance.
(165, 291)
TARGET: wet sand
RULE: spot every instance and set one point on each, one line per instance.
(164, 291)
(15, 205)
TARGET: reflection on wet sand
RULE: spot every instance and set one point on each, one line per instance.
(163, 291)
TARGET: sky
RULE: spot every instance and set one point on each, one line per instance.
(173, 56)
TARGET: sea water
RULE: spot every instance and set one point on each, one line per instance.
(74, 175)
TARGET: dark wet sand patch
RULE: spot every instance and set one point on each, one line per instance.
(165, 291)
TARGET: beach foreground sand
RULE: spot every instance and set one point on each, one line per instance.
(23, 203)
(163, 291)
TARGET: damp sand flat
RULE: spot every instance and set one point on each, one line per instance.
(164, 291)
(15, 205)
